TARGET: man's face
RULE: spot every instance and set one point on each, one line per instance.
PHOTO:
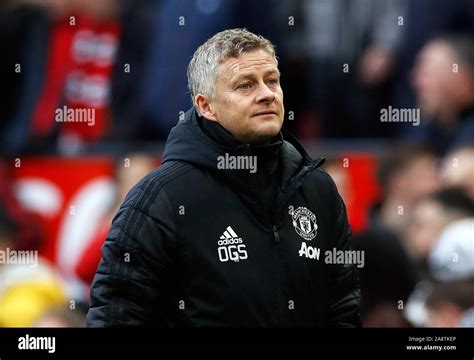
(249, 100)
(436, 84)
(457, 170)
(425, 227)
(409, 183)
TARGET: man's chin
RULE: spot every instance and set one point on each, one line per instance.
(264, 136)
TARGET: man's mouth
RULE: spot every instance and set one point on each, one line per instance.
(263, 113)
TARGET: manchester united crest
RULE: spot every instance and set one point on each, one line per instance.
(305, 224)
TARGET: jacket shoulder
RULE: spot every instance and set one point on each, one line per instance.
(325, 180)
(166, 173)
(155, 181)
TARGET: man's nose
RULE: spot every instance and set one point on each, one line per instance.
(265, 94)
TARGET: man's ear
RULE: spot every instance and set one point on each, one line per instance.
(205, 107)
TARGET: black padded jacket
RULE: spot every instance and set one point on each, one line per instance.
(195, 243)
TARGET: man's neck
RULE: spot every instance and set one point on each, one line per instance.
(217, 133)
(266, 152)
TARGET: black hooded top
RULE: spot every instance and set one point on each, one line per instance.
(215, 241)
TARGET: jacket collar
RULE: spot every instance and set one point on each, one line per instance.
(189, 142)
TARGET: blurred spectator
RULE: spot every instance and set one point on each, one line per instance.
(406, 175)
(126, 177)
(340, 175)
(415, 309)
(113, 57)
(386, 259)
(130, 84)
(457, 169)
(387, 262)
(66, 64)
(452, 257)
(28, 292)
(451, 304)
(29, 286)
(351, 48)
(22, 31)
(443, 78)
(13, 36)
(28, 232)
(425, 19)
(430, 218)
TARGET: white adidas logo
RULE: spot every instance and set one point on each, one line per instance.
(229, 233)
(228, 250)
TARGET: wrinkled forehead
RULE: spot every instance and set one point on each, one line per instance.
(258, 61)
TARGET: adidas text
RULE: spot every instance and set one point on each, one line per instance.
(231, 247)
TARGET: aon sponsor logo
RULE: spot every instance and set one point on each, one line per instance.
(309, 251)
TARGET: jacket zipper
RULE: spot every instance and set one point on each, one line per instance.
(289, 191)
(276, 237)
(275, 234)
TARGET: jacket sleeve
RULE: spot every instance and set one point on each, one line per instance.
(344, 288)
(131, 281)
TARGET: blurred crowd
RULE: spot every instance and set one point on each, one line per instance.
(342, 62)
(419, 244)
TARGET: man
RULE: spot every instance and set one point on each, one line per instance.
(457, 169)
(451, 304)
(443, 78)
(398, 174)
(436, 241)
(232, 229)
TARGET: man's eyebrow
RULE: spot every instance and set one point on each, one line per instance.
(249, 75)
(272, 71)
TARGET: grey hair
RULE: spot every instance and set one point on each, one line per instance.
(204, 65)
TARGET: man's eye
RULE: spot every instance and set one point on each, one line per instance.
(272, 81)
(245, 86)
